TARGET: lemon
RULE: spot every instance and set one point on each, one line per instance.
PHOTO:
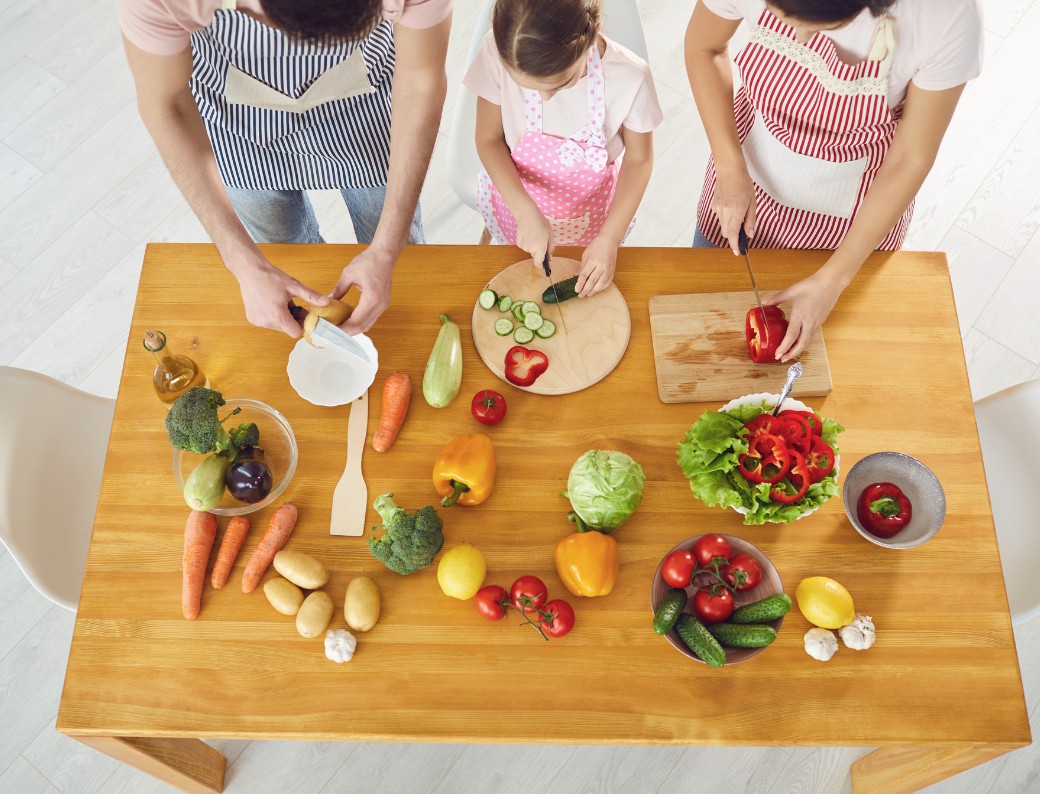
(825, 603)
(461, 571)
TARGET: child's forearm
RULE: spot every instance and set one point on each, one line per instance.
(634, 176)
(497, 161)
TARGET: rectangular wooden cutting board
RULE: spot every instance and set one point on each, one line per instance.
(700, 351)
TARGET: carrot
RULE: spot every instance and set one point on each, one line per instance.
(199, 534)
(234, 537)
(397, 395)
(278, 531)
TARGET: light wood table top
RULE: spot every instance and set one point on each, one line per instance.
(943, 675)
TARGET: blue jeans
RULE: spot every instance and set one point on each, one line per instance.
(700, 241)
(286, 216)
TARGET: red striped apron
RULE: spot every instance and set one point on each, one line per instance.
(814, 132)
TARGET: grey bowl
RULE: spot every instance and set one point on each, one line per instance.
(927, 499)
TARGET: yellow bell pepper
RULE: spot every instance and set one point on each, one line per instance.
(587, 561)
(464, 472)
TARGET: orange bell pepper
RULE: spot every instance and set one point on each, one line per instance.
(464, 472)
(587, 561)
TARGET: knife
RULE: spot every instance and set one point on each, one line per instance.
(548, 275)
(742, 242)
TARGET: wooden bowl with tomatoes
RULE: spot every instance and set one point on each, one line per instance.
(761, 580)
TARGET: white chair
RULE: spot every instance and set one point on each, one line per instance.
(53, 440)
(1009, 431)
(620, 22)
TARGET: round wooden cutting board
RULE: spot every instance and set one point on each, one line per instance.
(595, 339)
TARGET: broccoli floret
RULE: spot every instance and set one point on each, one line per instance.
(245, 435)
(193, 424)
(411, 540)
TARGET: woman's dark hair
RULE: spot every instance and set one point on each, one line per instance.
(544, 37)
(324, 21)
(830, 10)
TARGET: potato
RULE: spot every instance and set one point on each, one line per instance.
(315, 614)
(361, 604)
(336, 312)
(301, 569)
(283, 595)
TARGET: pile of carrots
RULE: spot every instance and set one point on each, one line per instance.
(200, 533)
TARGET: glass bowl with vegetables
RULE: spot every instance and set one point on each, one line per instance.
(894, 500)
(771, 470)
(231, 457)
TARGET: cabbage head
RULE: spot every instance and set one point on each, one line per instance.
(605, 488)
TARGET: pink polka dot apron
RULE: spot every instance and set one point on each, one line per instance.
(569, 179)
(814, 131)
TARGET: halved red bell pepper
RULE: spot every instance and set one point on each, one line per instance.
(811, 419)
(767, 459)
(884, 509)
(795, 484)
(765, 329)
(523, 366)
(820, 460)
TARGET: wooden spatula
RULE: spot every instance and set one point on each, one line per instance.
(350, 499)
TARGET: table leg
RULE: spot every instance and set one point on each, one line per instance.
(894, 770)
(190, 765)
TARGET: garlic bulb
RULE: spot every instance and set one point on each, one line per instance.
(820, 644)
(859, 634)
(340, 645)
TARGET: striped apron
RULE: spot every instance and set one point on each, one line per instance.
(283, 115)
(814, 131)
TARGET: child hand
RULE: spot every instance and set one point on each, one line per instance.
(534, 235)
(597, 267)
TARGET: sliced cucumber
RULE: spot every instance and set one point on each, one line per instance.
(518, 311)
(523, 335)
(531, 306)
(547, 329)
(533, 320)
(487, 299)
(503, 326)
(505, 303)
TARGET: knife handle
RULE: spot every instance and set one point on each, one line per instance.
(545, 266)
(742, 241)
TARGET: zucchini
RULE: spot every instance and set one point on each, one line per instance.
(523, 335)
(533, 320)
(771, 608)
(564, 289)
(548, 329)
(503, 326)
(747, 635)
(699, 640)
(669, 609)
(443, 375)
(531, 306)
(504, 303)
(487, 299)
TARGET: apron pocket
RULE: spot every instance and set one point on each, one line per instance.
(567, 231)
(346, 79)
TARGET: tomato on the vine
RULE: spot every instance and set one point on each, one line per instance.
(677, 569)
(491, 601)
(708, 547)
(713, 607)
(488, 407)
(743, 572)
(561, 619)
(528, 593)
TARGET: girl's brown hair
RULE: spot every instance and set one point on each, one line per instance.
(542, 38)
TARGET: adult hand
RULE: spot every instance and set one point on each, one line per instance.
(597, 267)
(371, 272)
(734, 204)
(266, 292)
(534, 235)
(811, 302)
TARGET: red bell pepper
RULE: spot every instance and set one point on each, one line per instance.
(765, 329)
(767, 459)
(764, 423)
(820, 460)
(811, 419)
(523, 366)
(795, 484)
(883, 509)
(797, 433)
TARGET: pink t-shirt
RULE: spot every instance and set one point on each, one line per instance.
(631, 97)
(938, 43)
(164, 27)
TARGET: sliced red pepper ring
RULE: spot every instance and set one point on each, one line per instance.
(814, 422)
(764, 423)
(820, 460)
(794, 486)
(796, 432)
(523, 366)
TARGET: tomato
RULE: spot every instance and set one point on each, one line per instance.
(491, 601)
(743, 572)
(678, 568)
(562, 620)
(820, 459)
(528, 593)
(708, 547)
(488, 407)
(713, 607)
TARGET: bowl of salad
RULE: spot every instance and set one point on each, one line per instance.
(770, 469)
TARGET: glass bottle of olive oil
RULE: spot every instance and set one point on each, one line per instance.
(173, 375)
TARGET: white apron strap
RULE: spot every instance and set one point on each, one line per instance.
(883, 46)
(228, 5)
(532, 110)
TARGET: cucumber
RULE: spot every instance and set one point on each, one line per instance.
(548, 329)
(564, 289)
(518, 311)
(699, 640)
(771, 608)
(533, 320)
(503, 326)
(523, 335)
(531, 306)
(487, 299)
(747, 635)
(669, 609)
(504, 303)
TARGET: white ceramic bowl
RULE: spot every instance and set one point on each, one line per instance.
(330, 375)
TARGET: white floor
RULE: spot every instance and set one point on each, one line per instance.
(82, 190)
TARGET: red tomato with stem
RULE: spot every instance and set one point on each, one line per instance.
(677, 569)
(708, 547)
(561, 619)
(528, 593)
(713, 607)
(491, 601)
(488, 407)
(743, 572)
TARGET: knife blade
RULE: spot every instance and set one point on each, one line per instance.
(742, 243)
(548, 275)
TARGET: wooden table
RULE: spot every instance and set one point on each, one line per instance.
(939, 693)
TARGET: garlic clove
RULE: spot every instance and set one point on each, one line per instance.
(820, 644)
(859, 634)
